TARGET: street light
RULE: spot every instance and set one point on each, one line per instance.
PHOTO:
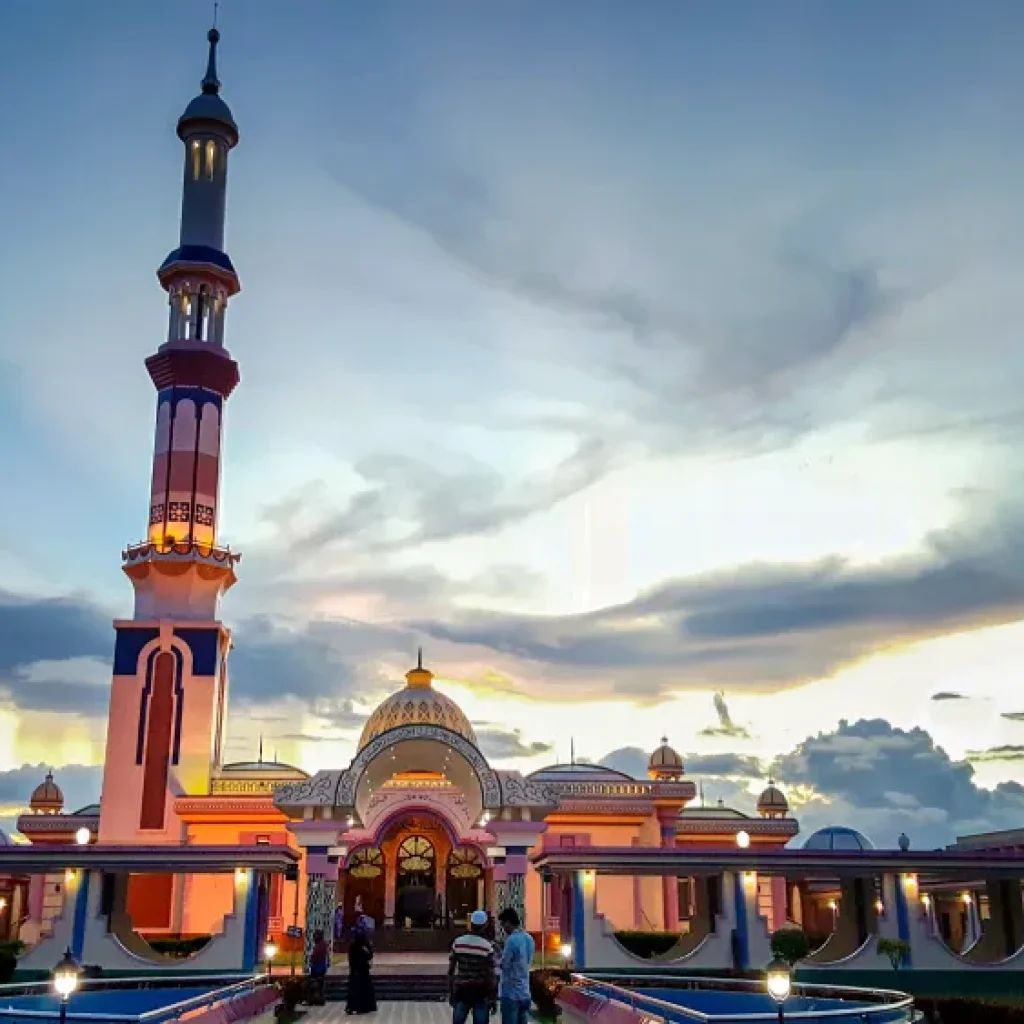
(779, 982)
(65, 981)
(567, 953)
(82, 836)
(269, 952)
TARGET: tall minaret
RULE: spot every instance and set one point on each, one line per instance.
(169, 691)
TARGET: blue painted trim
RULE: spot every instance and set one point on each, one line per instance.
(178, 392)
(579, 923)
(81, 915)
(179, 704)
(205, 647)
(128, 646)
(742, 935)
(251, 937)
(902, 917)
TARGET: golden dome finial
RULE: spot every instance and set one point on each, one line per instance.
(419, 676)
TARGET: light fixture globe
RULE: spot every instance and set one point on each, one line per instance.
(743, 840)
(270, 949)
(82, 836)
(779, 980)
(66, 975)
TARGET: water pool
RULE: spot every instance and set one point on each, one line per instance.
(117, 1002)
(727, 1005)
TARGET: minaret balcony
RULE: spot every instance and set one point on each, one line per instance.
(171, 550)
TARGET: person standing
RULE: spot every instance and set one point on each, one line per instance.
(319, 961)
(472, 973)
(361, 996)
(516, 961)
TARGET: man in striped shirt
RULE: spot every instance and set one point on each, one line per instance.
(472, 973)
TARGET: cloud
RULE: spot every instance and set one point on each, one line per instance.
(1013, 716)
(884, 781)
(948, 695)
(633, 762)
(726, 726)
(408, 502)
(508, 744)
(1006, 752)
(51, 629)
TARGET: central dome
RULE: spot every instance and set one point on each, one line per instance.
(417, 704)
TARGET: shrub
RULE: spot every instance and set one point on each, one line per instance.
(790, 944)
(9, 953)
(895, 949)
(545, 985)
(292, 992)
(647, 944)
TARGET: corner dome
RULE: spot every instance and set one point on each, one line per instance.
(418, 703)
(665, 763)
(772, 803)
(837, 838)
(47, 797)
(577, 772)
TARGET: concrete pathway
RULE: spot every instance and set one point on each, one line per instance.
(387, 1013)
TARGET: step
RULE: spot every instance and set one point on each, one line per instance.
(417, 988)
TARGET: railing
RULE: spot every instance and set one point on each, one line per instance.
(887, 1002)
(168, 546)
(171, 1011)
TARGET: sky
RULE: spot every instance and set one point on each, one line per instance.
(656, 367)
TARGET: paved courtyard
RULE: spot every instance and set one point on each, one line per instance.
(387, 1013)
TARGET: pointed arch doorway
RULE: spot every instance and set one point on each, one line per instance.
(416, 881)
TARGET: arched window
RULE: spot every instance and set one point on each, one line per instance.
(464, 862)
(416, 856)
(366, 863)
(197, 157)
(211, 159)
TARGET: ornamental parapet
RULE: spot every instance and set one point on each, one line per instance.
(180, 551)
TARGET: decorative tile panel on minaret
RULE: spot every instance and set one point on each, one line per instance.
(169, 692)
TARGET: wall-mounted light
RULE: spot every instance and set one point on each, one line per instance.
(926, 900)
(240, 876)
(69, 876)
(743, 839)
(966, 897)
(567, 952)
(879, 906)
(82, 836)
(832, 905)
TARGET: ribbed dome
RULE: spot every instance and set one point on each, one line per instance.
(665, 763)
(46, 797)
(772, 803)
(417, 704)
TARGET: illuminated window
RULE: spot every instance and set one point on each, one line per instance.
(366, 863)
(416, 856)
(464, 862)
(211, 159)
(196, 155)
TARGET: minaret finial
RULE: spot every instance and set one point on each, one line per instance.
(572, 750)
(211, 83)
(261, 749)
(419, 657)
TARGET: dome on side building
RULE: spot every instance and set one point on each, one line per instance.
(47, 797)
(772, 803)
(838, 838)
(665, 763)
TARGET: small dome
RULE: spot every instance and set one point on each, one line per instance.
(417, 704)
(46, 797)
(665, 763)
(838, 838)
(208, 108)
(772, 803)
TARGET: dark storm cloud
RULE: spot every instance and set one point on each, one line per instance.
(948, 695)
(885, 780)
(70, 696)
(51, 629)
(1013, 716)
(79, 783)
(765, 626)
(508, 744)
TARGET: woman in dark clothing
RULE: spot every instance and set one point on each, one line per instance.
(361, 997)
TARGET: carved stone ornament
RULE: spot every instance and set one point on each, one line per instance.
(517, 791)
(318, 791)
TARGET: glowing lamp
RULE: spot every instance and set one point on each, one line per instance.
(65, 976)
(778, 980)
(832, 904)
(966, 898)
(743, 840)
(270, 950)
(82, 836)
(69, 876)
(566, 951)
(239, 876)
(926, 900)
(879, 906)
(3, 902)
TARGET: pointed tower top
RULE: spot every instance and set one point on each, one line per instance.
(211, 83)
(572, 750)
(419, 677)
(419, 657)
(260, 759)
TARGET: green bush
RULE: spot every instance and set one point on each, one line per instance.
(9, 953)
(790, 944)
(895, 949)
(647, 944)
(545, 984)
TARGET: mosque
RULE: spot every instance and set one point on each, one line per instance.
(418, 829)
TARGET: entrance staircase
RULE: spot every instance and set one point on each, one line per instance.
(394, 988)
(415, 940)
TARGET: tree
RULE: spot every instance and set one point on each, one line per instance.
(790, 944)
(896, 950)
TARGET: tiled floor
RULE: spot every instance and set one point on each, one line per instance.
(388, 1013)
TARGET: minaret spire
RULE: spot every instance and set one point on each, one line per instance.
(419, 657)
(211, 83)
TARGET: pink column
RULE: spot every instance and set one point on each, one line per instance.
(669, 883)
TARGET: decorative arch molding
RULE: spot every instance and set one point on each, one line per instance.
(394, 816)
(348, 783)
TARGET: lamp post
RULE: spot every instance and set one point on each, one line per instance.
(65, 981)
(269, 952)
(779, 982)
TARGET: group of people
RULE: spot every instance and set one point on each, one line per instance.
(480, 978)
(482, 975)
